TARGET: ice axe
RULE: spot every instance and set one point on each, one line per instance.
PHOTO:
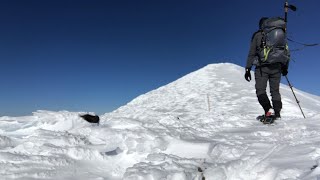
(288, 6)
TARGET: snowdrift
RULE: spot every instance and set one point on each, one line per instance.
(200, 126)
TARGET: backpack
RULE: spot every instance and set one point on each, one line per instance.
(274, 48)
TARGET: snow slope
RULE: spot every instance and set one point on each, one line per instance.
(202, 125)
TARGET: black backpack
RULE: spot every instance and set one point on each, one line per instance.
(274, 48)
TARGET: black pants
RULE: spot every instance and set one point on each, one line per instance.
(271, 73)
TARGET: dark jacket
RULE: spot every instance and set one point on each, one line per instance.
(253, 56)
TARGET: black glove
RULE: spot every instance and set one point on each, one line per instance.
(247, 75)
(284, 71)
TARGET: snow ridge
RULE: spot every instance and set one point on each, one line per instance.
(201, 125)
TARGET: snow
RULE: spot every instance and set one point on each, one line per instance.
(199, 126)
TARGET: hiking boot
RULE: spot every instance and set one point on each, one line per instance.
(268, 120)
(269, 117)
(277, 116)
(269, 113)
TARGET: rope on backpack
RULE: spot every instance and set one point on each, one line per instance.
(304, 45)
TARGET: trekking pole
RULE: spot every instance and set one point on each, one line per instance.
(298, 102)
(288, 6)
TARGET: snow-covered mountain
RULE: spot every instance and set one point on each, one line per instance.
(200, 126)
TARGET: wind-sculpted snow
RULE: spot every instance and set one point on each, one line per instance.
(200, 126)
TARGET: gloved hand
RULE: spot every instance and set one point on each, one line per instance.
(247, 75)
(284, 71)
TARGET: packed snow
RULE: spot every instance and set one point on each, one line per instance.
(201, 126)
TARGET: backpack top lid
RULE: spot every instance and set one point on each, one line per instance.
(273, 22)
(274, 32)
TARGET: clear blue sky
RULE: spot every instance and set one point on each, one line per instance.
(96, 55)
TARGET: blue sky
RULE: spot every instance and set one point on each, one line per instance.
(95, 55)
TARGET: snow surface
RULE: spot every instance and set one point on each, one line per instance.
(202, 125)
